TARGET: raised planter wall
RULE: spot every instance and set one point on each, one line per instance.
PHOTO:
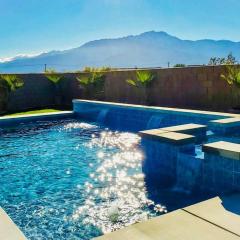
(190, 87)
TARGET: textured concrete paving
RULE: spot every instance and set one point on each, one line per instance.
(216, 218)
(222, 211)
(8, 230)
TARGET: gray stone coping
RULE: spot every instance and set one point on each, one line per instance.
(224, 149)
(8, 229)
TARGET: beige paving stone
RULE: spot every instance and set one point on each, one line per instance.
(224, 149)
(169, 137)
(152, 132)
(36, 115)
(184, 128)
(178, 225)
(222, 211)
(227, 121)
(8, 229)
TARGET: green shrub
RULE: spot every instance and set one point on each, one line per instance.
(179, 65)
(232, 77)
(96, 69)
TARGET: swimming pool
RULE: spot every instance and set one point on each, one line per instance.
(80, 177)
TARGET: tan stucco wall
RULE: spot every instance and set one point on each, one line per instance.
(191, 87)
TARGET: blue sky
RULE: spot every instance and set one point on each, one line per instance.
(34, 26)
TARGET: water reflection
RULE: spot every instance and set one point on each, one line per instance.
(115, 195)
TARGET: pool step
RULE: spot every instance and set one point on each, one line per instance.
(168, 137)
(178, 134)
(226, 125)
(223, 149)
(190, 128)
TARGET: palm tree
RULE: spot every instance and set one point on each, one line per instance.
(9, 83)
(93, 84)
(142, 82)
(56, 79)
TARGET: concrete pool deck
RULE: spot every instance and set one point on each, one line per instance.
(8, 229)
(216, 218)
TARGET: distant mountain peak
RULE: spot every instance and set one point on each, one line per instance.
(154, 33)
(148, 49)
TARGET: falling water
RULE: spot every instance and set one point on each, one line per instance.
(102, 115)
(154, 121)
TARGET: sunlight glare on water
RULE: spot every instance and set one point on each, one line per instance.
(68, 179)
(116, 196)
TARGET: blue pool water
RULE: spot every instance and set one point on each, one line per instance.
(68, 179)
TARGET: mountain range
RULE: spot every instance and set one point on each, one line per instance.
(149, 49)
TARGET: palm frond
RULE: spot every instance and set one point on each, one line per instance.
(11, 82)
(143, 79)
(232, 76)
(52, 76)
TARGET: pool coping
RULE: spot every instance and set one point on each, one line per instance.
(8, 120)
(36, 115)
(160, 109)
(209, 219)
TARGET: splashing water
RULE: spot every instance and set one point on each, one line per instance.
(81, 125)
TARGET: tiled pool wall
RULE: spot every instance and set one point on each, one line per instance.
(135, 117)
(170, 154)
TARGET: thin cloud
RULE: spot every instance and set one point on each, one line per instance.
(19, 56)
